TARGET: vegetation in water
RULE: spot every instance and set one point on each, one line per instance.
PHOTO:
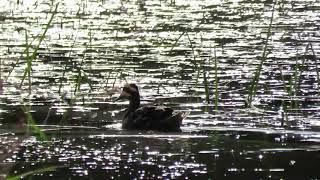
(248, 73)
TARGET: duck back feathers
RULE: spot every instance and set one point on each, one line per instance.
(154, 118)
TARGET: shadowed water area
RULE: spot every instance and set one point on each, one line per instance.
(181, 54)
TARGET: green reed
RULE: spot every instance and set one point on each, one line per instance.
(191, 46)
(80, 78)
(216, 94)
(205, 80)
(197, 67)
(294, 79)
(32, 126)
(65, 67)
(255, 81)
(291, 91)
(206, 86)
(30, 58)
(176, 41)
(300, 66)
(293, 85)
(296, 76)
(314, 57)
(0, 69)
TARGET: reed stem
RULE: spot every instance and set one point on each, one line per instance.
(30, 58)
(206, 86)
(0, 68)
(316, 64)
(216, 94)
(254, 83)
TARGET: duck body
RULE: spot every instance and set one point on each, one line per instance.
(153, 118)
(149, 117)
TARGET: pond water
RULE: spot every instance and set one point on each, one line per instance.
(181, 54)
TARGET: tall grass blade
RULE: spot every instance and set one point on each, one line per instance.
(193, 52)
(206, 86)
(65, 67)
(34, 54)
(32, 125)
(256, 78)
(302, 65)
(295, 83)
(28, 59)
(0, 68)
(175, 43)
(196, 67)
(316, 64)
(216, 94)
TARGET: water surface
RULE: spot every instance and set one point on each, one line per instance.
(165, 47)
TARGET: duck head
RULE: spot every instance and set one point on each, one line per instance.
(130, 92)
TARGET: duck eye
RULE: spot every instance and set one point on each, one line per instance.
(125, 89)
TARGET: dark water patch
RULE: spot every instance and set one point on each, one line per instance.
(225, 154)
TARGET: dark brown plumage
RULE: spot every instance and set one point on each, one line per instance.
(148, 117)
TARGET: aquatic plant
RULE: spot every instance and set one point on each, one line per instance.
(194, 62)
(216, 94)
(294, 81)
(80, 78)
(314, 57)
(30, 58)
(176, 41)
(0, 68)
(255, 81)
(32, 126)
(205, 73)
(1, 80)
(65, 67)
(206, 86)
(293, 85)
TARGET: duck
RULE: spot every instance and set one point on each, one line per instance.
(154, 118)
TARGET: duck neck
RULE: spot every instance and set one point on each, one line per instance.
(134, 103)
